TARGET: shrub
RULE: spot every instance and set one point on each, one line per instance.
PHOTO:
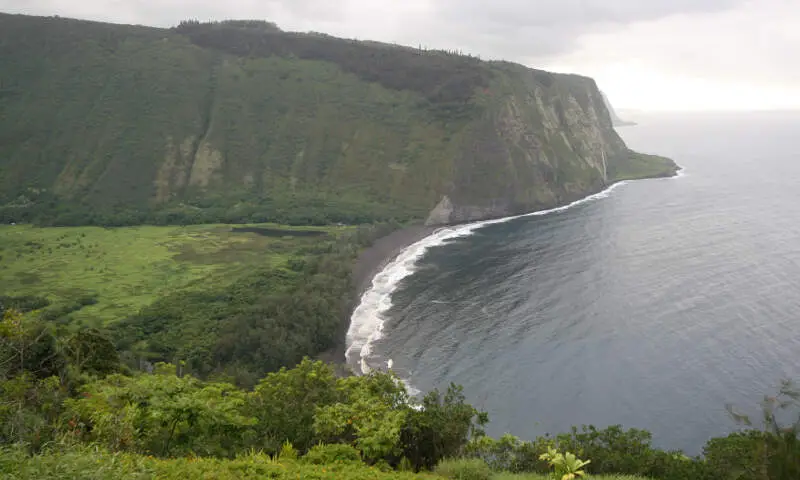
(325, 454)
(613, 450)
(95, 463)
(510, 454)
(405, 465)
(566, 466)
(741, 454)
(773, 453)
(86, 300)
(464, 469)
(24, 303)
(441, 428)
(288, 452)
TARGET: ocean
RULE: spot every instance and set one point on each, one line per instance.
(653, 304)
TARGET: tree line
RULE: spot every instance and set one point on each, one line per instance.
(442, 77)
(46, 209)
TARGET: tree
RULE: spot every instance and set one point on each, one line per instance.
(441, 428)
(12, 335)
(30, 410)
(285, 402)
(27, 346)
(162, 414)
(775, 451)
(369, 415)
(92, 352)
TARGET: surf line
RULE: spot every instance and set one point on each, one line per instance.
(369, 317)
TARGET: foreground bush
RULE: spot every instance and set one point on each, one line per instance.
(93, 464)
(530, 476)
(464, 469)
(612, 450)
(324, 454)
(746, 455)
(566, 466)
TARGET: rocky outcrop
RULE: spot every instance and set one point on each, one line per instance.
(447, 213)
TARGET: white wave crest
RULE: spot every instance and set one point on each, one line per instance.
(367, 320)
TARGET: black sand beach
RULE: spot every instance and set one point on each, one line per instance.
(369, 263)
(372, 260)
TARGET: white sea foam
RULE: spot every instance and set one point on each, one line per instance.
(367, 321)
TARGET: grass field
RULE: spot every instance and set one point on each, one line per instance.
(90, 463)
(128, 268)
(511, 476)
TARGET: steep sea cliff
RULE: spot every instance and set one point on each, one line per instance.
(244, 122)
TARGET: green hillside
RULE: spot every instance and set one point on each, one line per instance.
(242, 122)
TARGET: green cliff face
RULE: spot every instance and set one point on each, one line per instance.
(241, 121)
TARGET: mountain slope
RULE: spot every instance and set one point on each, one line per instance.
(239, 121)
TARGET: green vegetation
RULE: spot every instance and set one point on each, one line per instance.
(96, 464)
(640, 165)
(122, 270)
(464, 469)
(234, 304)
(441, 77)
(771, 454)
(69, 408)
(476, 469)
(566, 466)
(52, 398)
(86, 396)
(522, 476)
(240, 122)
(182, 351)
(267, 318)
(90, 463)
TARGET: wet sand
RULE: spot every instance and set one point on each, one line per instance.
(372, 260)
(370, 263)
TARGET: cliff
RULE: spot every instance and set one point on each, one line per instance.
(240, 121)
(615, 120)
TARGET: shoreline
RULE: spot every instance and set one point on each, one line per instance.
(385, 250)
(370, 262)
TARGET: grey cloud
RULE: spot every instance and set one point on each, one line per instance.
(169, 12)
(756, 43)
(720, 40)
(523, 29)
(578, 14)
(509, 28)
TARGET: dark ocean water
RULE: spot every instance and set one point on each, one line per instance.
(652, 306)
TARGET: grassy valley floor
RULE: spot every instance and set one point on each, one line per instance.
(109, 273)
(232, 300)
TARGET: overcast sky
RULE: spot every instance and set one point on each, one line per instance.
(645, 54)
